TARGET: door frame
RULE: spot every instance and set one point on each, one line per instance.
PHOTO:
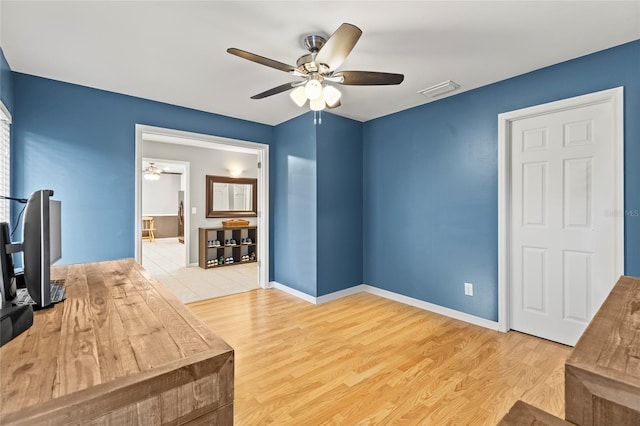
(180, 137)
(185, 176)
(614, 96)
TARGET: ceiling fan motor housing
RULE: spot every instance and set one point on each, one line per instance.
(313, 43)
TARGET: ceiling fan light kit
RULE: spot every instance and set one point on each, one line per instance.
(320, 96)
(319, 67)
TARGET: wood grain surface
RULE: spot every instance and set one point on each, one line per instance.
(603, 371)
(368, 360)
(523, 414)
(120, 350)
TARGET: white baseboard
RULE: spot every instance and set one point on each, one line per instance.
(293, 292)
(448, 312)
(365, 288)
(340, 294)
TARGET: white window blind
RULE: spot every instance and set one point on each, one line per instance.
(5, 162)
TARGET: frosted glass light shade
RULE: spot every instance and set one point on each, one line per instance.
(298, 95)
(317, 104)
(313, 89)
(331, 95)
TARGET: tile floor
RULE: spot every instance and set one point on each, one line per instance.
(164, 260)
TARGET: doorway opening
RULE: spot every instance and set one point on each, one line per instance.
(183, 147)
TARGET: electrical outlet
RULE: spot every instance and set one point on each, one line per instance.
(193, 210)
(468, 289)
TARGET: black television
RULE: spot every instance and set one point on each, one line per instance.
(41, 245)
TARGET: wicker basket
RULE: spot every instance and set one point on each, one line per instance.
(234, 223)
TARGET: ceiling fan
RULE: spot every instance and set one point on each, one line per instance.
(153, 172)
(318, 68)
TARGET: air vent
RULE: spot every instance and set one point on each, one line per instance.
(439, 89)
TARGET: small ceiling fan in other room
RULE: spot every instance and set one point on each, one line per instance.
(318, 70)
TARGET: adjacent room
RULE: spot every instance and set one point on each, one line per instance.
(319, 212)
(173, 178)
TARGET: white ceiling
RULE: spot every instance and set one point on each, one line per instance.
(175, 52)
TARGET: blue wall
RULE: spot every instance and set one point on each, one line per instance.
(339, 203)
(294, 205)
(428, 194)
(80, 142)
(431, 178)
(6, 83)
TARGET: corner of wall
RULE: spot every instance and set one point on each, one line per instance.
(293, 203)
(339, 156)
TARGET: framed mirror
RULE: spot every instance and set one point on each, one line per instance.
(231, 197)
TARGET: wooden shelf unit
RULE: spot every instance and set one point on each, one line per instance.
(208, 252)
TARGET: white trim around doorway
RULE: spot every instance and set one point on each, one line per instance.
(616, 98)
(179, 137)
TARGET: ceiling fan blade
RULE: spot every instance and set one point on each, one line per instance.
(369, 78)
(275, 90)
(339, 45)
(261, 60)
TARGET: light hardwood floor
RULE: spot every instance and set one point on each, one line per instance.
(364, 359)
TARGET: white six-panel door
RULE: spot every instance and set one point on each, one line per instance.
(563, 220)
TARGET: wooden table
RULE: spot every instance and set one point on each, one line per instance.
(120, 350)
(602, 375)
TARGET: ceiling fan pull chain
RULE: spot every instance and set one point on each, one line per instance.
(317, 117)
